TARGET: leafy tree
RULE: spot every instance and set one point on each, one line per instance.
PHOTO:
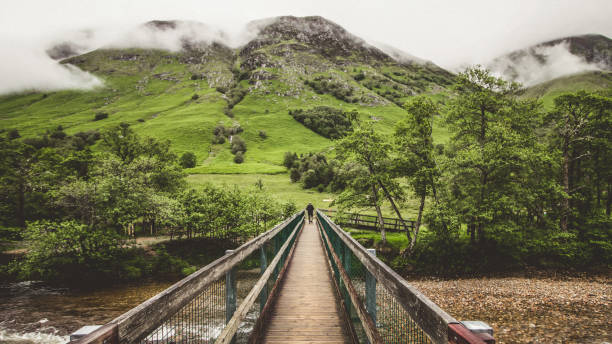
(493, 150)
(581, 128)
(67, 249)
(415, 151)
(371, 179)
(188, 160)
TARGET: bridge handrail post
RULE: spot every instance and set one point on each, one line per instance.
(371, 290)
(263, 263)
(230, 292)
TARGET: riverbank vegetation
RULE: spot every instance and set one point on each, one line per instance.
(78, 208)
(516, 185)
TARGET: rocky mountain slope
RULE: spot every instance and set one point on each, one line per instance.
(182, 93)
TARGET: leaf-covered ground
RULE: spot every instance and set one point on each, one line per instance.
(532, 309)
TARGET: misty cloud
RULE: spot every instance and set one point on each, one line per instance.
(26, 68)
(540, 64)
(169, 35)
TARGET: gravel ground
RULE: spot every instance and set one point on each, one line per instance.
(542, 309)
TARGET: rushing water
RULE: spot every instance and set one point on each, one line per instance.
(32, 312)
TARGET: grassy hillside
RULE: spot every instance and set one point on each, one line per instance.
(588, 81)
(182, 96)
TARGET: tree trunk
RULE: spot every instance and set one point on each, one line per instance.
(609, 200)
(21, 205)
(565, 181)
(397, 212)
(381, 222)
(472, 230)
(417, 226)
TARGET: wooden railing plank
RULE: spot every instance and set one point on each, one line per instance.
(366, 320)
(138, 322)
(232, 326)
(428, 316)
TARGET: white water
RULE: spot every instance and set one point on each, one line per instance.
(11, 337)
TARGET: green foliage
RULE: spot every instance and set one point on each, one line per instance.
(312, 169)
(100, 115)
(188, 160)
(238, 145)
(13, 134)
(326, 121)
(290, 159)
(67, 250)
(239, 157)
(263, 134)
(325, 85)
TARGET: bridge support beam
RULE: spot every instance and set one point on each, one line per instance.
(371, 290)
(230, 292)
(263, 263)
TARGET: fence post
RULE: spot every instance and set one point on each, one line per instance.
(371, 290)
(263, 263)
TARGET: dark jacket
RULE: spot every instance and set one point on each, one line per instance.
(310, 209)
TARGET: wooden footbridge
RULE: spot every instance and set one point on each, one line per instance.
(297, 283)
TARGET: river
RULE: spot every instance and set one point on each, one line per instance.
(33, 312)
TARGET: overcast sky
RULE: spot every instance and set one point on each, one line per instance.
(447, 32)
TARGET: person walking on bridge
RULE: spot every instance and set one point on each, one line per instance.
(310, 210)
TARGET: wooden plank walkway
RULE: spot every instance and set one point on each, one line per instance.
(307, 309)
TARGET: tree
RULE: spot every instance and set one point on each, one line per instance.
(188, 160)
(493, 147)
(122, 142)
(415, 155)
(370, 177)
(581, 126)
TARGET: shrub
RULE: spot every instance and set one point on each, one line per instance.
(13, 134)
(100, 115)
(219, 130)
(295, 175)
(228, 112)
(326, 121)
(218, 139)
(238, 145)
(195, 97)
(289, 159)
(263, 134)
(188, 160)
(239, 157)
(236, 129)
(141, 120)
(359, 76)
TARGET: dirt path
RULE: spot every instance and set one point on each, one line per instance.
(530, 309)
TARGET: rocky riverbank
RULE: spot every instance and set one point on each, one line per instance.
(532, 308)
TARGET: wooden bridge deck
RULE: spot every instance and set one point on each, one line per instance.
(307, 309)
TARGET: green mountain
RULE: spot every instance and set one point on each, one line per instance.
(588, 81)
(291, 63)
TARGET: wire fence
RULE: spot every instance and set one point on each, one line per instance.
(391, 321)
(201, 307)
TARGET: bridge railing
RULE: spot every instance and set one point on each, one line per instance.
(216, 304)
(355, 220)
(381, 306)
